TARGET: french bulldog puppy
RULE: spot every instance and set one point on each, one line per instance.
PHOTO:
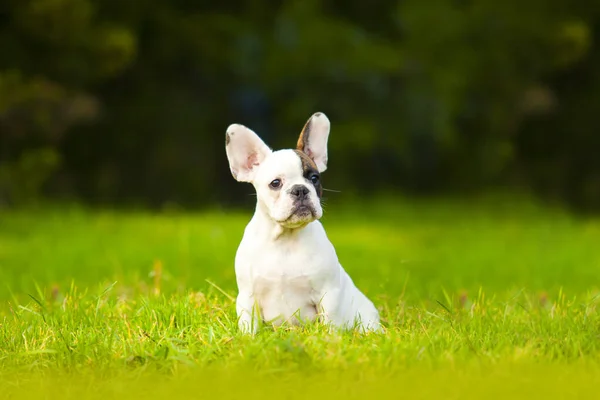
(286, 268)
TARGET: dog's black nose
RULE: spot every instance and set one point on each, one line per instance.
(299, 191)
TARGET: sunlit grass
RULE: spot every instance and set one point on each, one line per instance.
(477, 299)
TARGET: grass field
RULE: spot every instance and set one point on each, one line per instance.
(480, 298)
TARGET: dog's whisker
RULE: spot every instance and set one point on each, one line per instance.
(331, 190)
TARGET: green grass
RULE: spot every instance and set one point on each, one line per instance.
(479, 297)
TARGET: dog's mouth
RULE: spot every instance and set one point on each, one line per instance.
(303, 211)
(301, 214)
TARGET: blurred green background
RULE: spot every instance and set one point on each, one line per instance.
(121, 102)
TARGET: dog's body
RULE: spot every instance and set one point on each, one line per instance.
(286, 268)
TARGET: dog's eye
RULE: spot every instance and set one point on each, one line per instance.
(314, 179)
(275, 184)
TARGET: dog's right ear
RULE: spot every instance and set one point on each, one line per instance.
(313, 140)
(245, 152)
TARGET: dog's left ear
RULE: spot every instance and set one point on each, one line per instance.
(313, 140)
(245, 152)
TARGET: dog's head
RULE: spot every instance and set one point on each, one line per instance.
(287, 182)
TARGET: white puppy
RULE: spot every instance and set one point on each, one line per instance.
(286, 268)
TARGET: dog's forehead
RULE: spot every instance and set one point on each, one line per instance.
(285, 162)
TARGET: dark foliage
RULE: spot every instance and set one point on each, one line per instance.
(113, 101)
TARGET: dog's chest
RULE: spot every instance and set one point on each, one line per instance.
(287, 280)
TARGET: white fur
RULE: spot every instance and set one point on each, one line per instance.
(286, 268)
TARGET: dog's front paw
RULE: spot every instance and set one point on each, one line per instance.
(374, 327)
(248, 326)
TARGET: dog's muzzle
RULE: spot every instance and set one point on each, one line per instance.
(303, 210)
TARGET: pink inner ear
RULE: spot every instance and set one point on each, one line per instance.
(251, 161)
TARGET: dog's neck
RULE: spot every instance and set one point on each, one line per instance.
(271, 230)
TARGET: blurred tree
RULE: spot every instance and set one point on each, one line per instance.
(133, 98)
(55, 51)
